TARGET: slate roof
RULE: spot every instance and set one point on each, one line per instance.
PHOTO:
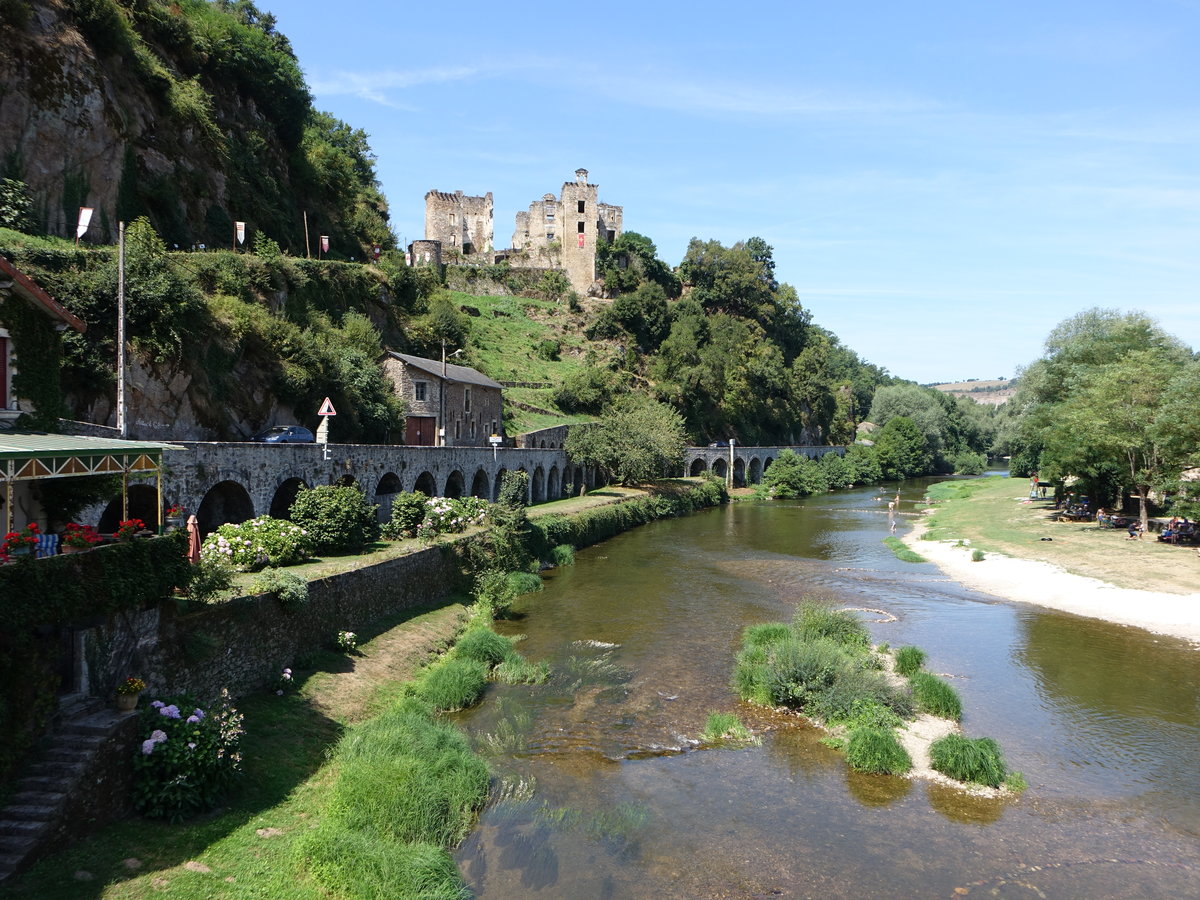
(460, 374)
(20, 283)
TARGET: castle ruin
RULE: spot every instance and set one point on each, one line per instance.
(461, 223)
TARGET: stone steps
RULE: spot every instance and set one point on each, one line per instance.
(80, 728)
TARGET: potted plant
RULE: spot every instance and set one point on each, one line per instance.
(20, 544)
(77, 538)
(127, 530)
(174, 516)
(128, 691)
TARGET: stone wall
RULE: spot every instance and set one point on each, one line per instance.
(463, 224)
(245, 644)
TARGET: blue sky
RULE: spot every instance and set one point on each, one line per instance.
(941, 182)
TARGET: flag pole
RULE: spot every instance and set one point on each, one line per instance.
(306, 250)
(122, 426)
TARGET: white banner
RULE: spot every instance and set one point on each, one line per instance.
(85, 219)
(324, 243)
(240, 227)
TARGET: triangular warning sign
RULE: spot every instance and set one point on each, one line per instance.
(327, 408)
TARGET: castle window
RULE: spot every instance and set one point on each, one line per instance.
(473, 429)
(549, 235)
(612, 236)
(451, 218)
(420, 391)
(582, 205)
(458, 430)
(466, 399)
(581, 228)
(549, 216)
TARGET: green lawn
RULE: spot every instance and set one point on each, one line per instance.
(992, 513)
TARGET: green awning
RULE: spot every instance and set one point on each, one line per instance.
(27, 456)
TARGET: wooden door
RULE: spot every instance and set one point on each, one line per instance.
(420, 430)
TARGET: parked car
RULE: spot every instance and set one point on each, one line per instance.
(285, 434)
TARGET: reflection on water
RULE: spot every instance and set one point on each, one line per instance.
(603, 790)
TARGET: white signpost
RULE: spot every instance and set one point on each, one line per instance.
(325, 412)
(495, 440)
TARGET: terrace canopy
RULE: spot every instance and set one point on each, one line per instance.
(30, 456)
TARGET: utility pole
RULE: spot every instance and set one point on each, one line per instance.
(122, 425)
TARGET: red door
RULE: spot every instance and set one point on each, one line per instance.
(420, 430)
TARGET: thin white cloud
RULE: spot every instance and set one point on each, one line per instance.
(374, 86)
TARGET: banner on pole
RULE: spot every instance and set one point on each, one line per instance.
(85, 219)
(324, 243)
(241, 231)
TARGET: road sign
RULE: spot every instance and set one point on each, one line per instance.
(327, 408)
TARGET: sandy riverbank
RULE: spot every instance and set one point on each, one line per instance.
(1030, 581)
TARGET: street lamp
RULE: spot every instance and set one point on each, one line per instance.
(442, 396)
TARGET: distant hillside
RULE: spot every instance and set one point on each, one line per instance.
(990, 392)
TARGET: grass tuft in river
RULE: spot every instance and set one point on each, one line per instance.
(909, 660)
(878, 751)
(936, 697)
(725, 728)
(975, 760)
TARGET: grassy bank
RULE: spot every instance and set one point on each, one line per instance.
(353, 786)
(990, 513)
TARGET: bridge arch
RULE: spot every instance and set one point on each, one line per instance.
(479, 485)
(754, 472)
(537, 486)
(224, 503)
(739, 472)
(454, 485)
(345, 481)
(497, 483)
(699, 466)
(553, 487)
(284, 497)
(425, 484)
(143, 504)
(720, 467)
(385, 493)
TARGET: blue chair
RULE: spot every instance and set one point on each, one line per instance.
(47, 545)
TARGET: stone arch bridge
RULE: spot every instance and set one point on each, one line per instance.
(233, 482)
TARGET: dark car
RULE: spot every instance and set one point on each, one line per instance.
(285, 434)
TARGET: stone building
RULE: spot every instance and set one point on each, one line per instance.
(562, 233)
(464, 401)
(462, 224)
(425, 253)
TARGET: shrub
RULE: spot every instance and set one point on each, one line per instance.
(975, 760)
(562, 555)
(909, 660)
(797, 670)
(290, 589)
(877, 750)
(444, 515)
(935, 696)
(187, 760)
(977, 556)
(259, 542)
(483, 645)
(338, 519)
(455, 684)
(347, 641)
(750, 676)
(852, 694)
(209, 578)
(408, 512)
(813, 621)
(968, 463)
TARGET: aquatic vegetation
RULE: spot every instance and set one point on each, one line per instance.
(725, 728)
(909, 660)
(815, 620)
(562, 555)
(975, 760)
(515, 669)
(455, 684)
(766, 633)
(901, 551)
(936, 697)
(877, 750)
(483, 645)
(354, 864)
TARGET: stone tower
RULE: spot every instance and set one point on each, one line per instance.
(463, 224)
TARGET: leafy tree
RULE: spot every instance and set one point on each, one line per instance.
(902, 450)
(635, 440)
(792, 475)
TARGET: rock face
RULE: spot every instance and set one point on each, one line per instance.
(128, 125)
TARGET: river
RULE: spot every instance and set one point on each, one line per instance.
(602, 790)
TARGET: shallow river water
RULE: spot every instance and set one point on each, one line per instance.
(604, 792)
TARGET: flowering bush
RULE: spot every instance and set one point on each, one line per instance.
(131, 685)
(415, 515)
(339, 518)
(175, 512)
(259, 542)
(188, 757)
(347, 641)
(23, 541)
(127, 529)
(82, 536)
(286, 682)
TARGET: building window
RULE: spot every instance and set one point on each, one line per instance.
(549, 217)
(581, 226)
(451, 218)
(420, 391)
(582, 205)
(494, 431)
(466, 399)
(612, 236)
(473, 426)
(458, 430)
(549, 235)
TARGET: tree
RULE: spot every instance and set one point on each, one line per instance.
(902, 450)
(635, 440)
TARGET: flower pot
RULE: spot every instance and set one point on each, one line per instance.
(127, 702)
(20, 552)
(67, 548)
